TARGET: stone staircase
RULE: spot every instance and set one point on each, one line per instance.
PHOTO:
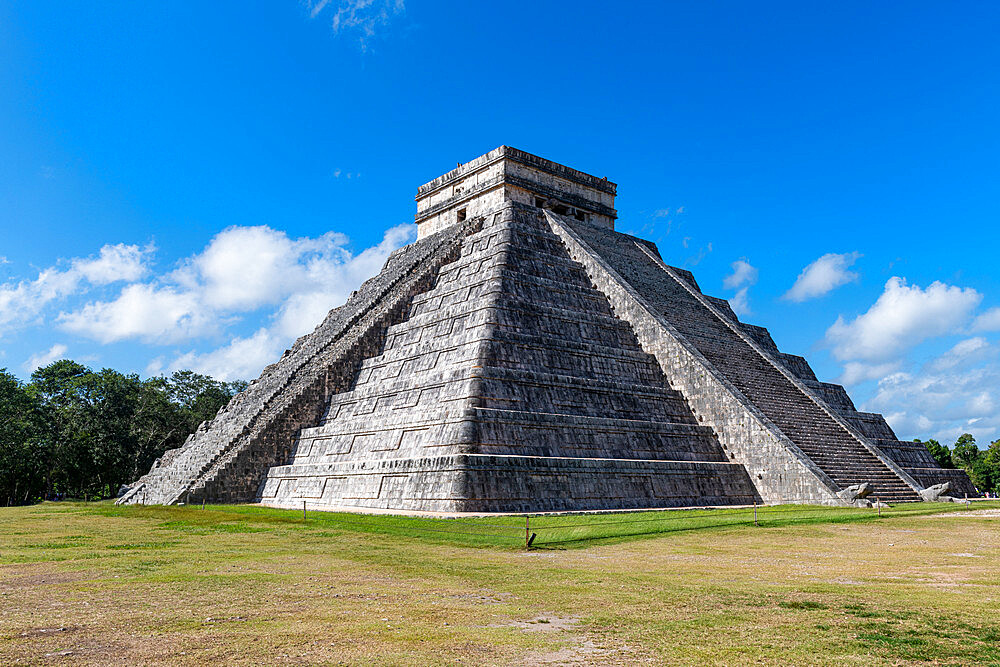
(513, 360)
(818, 433)
(227, 458)
(912, 457)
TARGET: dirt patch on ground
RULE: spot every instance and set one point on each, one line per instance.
(479, 598)
(11, 581)
(545, 623)
(580, 654)
(581, 650)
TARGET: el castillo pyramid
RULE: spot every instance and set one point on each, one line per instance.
(524, 356)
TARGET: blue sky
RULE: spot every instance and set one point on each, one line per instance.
(194, 184)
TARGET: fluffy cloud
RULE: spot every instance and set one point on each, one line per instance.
(54, 353)
(740, 303)
(988, 321)
(243, 269)
(856, 372)
(307, 276)
(239, 359)
(944, 399)
(151, 314)
(956, 392)
(743, 274)
(329, 284)
(115, 263)
(963, 353)
(822, 276)
(23, 302)
(903, 316)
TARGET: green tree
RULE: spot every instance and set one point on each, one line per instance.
(991, 461)
(22, 455)
(199, 396)
(965, 452)
(89, 417)
(55, 388)
(159, 425)
(80, 432)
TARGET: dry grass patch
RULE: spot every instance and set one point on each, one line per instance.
(251, 586)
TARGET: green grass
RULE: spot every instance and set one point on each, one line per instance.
(251, 585)
(552, 530)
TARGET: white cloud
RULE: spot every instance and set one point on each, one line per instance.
(941, 404)
(316, 7)
(151, 314)
(702, 252)
(289, 283)
(115, 263)
(240, 359)
(363, 18)
(822, 276)
(54, 353)
(856, 372)
(331, 285)
(903, 316)
(318, 275)
(963, 353)
(23, 302)
(740, 303)
(243, 269)
(956, 392)
(988, 321)
(743, 273)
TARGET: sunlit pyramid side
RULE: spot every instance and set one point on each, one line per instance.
(524, 356)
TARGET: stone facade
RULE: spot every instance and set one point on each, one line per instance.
(507, 174)
(523, 356)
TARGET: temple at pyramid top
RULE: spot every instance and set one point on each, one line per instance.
(524, 356)
(509, 174)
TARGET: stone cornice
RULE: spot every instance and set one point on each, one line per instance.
(521, 157)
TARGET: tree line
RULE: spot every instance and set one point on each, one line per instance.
(982, 466)
(73, 432)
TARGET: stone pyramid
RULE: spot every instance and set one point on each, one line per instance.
(523, 356)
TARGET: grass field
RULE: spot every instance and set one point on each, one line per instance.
(96, 584)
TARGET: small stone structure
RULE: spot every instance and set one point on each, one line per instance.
(523, 356)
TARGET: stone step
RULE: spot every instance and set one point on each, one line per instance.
(759, 378)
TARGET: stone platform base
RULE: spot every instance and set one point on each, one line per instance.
(487, 483)
(960, 482)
